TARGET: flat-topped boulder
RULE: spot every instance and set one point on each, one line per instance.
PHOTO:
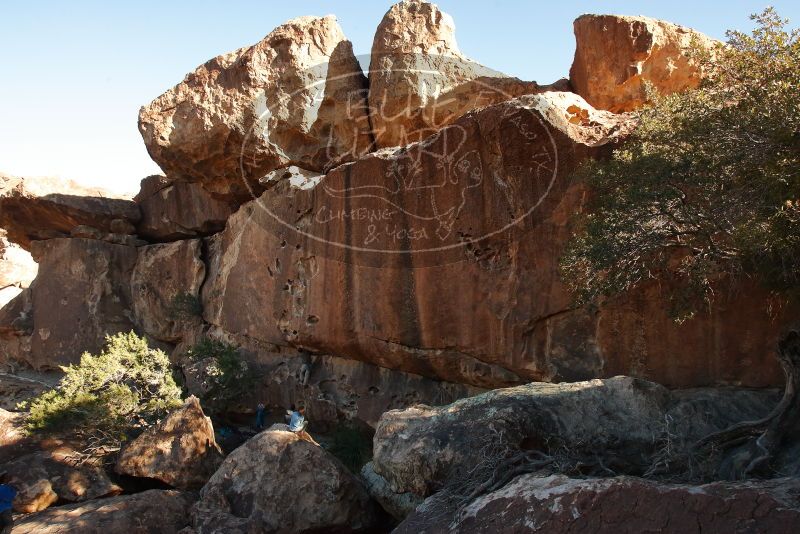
(44, 208)
(298, 96)
(615, 56)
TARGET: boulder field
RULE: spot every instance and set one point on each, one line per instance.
(384, 247)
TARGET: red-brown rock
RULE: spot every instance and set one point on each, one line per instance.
(82, 294)
(44, 208)
(177, 209)
(616, 55)
(557, 504)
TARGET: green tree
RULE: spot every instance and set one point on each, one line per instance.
(105, 396)
(707, 190)
(225, 377)
(707, 185)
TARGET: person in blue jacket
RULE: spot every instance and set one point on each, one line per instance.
(7, 494)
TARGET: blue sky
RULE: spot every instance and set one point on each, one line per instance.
(76, 72)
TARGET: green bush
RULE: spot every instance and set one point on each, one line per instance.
(352, 446)
(126, 386)
(185, 306)
(226, 376)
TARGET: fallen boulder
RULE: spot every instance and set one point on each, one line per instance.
(165, 288)
(298, 96)
(277, 482)
(148, 512)
(398, 505)
(615, 56)
(44, 208)
(44, 477)
(177, 209)
(619, 505)
(419, 81)
(616, 425)
(180, 451)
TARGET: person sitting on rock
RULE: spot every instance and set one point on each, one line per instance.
(298, 424)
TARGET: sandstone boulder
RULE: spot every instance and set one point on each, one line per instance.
(180, 451)
(296, 97)
(616, 55)
(619, 420)
(621, 505)
(82, 294)
(420, 81)
(277, 482)
(398, 505)
(176, 209)
(16, 327)
(148, 512)
(165, 287)
(42, 478)
(44, 208)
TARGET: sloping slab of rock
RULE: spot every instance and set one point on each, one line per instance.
(180, 451)
(43, 208)
(296, 97)
(149, 512)
(620, 506)
(421, 82)
(82, 294)
(618, 420)
(616, 55)
(277, 482)
(165, 288)
(44, 477)
(177, 209)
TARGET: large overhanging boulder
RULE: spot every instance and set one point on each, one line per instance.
(620, 506)
(419, 81)
(296, 97)
(615, 56)
(180, 451)
(277, 482)
(44, 208)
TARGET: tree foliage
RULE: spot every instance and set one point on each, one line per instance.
(708, 185)
(127, 385)
(226, 377)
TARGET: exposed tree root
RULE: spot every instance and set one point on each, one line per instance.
(763, 438)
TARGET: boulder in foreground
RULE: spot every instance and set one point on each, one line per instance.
(622, 505)
(277, 482)
(149, 512)
(180, 451)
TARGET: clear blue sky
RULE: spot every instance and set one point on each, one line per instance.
(76, 72)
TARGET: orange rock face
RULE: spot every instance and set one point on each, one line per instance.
(616, 55)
